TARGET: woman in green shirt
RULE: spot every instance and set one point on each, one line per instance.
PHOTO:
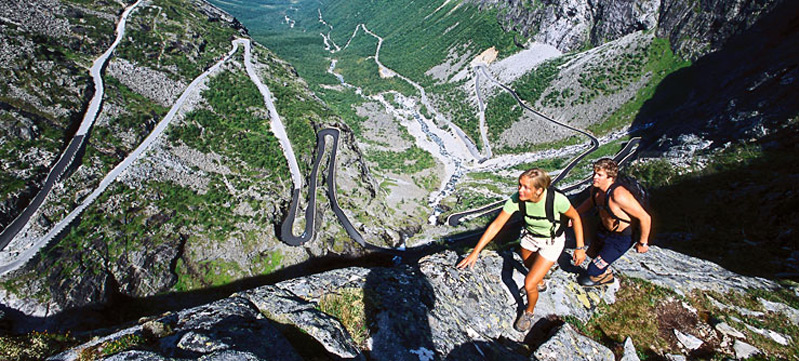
(540, 246)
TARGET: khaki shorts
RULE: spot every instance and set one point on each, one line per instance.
(548, 248)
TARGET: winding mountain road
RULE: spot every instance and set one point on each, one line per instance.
(568, 168)
(461, 136)
(22, 257)
(286, 233)
(624, 155)
(453, 153)
(274, 118)
(77, 143)
(455, 218)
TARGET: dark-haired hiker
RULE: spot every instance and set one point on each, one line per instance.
(541, 246)
(617, 208)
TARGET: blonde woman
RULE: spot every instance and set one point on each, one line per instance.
(541, 244)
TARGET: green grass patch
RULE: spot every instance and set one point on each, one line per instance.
(358, 67)
(269, 262)
(429, 182)
(452, 100)
(165, 38)
(660, 62)
(532, 85)
(343, 104)
(648, 314)
(108, 348)
(34, 346)
(503, 110)
(11, 185)
(233, 127)
(348, 306)
(409, 161)
(633, 315)
(500, 113)
(750, 300)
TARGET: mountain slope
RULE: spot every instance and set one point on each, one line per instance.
(202, 205)
(197, 217)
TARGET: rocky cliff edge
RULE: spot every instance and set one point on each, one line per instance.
(433, 311)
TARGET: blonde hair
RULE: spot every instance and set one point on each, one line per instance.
(538, 176)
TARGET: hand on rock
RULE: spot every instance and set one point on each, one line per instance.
(469, 261)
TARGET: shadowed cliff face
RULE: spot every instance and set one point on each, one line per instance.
(696, 28)
(738, 92)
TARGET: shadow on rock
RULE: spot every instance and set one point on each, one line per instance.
(396, 307)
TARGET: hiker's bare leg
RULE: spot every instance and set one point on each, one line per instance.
(529, 257)
(534, 277)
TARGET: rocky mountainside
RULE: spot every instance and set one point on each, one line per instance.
(429, 310)
(731, 30)
(197, 217)
(694, 28)
(46, 49)
(203, 205)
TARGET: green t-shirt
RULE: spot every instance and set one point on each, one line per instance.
(538, 226)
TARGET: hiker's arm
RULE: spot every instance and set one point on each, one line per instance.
(629, 205)
(487, 236)
(577, 223)
(585, 206)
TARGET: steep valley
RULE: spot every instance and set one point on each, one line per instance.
(425, 130)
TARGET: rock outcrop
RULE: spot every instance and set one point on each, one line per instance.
(694, 28)
(684, 274)
(426, 311)
(568, 345)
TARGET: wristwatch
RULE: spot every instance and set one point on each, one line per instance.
(582, 248)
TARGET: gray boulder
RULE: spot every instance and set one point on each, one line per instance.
(228, 329)
(287, 308)
(683, 274)
(473, 308)
(426, 311)
(744, 350)
(781, 308)
(629, 351)
(568, 345)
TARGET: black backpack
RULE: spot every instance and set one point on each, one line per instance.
(558, 223)
(632, 185)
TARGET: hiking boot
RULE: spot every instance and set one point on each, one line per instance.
(595, 281)
(525, 322)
